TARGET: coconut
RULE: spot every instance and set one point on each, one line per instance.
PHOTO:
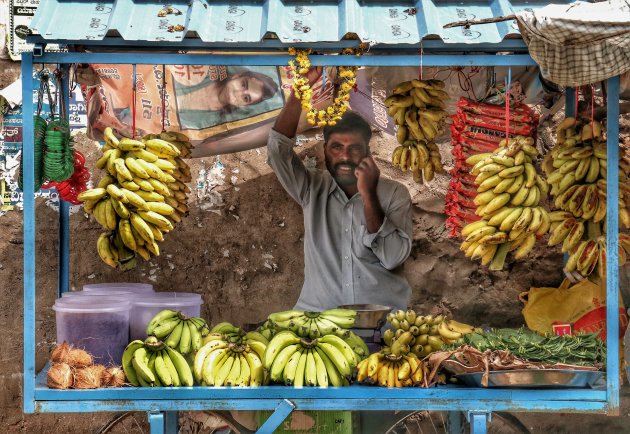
(79, 358)
(88, 377)
(113, 377)
(60, 353)
(60, 376)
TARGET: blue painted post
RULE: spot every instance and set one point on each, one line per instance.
(612, 243)
(277, 417)
(156, 422)
(64, 207)
(28, 143)
(478, 422)
(569, 102)
(454, 422)
(171, 422)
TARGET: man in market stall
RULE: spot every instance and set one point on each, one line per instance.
(357, 225)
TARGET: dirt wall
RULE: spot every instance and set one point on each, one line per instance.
(246, 260)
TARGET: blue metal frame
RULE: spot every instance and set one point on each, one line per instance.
(157, 401)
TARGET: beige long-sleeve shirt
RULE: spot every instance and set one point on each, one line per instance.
(343, 263)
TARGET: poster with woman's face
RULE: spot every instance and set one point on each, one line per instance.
(221, 108)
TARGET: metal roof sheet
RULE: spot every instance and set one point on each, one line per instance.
(207, 21)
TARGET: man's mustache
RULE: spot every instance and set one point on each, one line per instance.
(348, 164)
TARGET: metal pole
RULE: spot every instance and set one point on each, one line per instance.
(28, 184)
(276, 418)
(612, 245)
(64, 207)
(156, 422)
(171, 422)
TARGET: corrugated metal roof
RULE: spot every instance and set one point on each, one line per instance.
(208, 21)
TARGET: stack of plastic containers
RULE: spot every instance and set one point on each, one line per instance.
(105, 317)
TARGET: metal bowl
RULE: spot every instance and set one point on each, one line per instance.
(369, 316)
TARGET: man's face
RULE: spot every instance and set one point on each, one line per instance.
(343, 153)
(242, 91)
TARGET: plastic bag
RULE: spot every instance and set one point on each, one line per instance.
(583, 305)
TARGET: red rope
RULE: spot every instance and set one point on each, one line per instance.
(507, 114)
(577, 98)
(592, 108)
(421, 58)
(133, 105)
(163, 95)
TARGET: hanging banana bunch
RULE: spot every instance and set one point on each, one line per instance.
(576, 170)
(417, 107)
(509, 191)
(142, 195)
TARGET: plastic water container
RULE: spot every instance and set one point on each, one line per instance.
(145, 308)
(118, 295)
(100, 325)
(119, 286)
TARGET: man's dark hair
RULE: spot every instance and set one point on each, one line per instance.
(350, 123)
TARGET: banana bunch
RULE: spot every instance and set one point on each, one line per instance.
(421, 334)
(141, 195)
(508, 193)
(389, 370)
(417, 107)
(423, 159)
(231, 334)
(178, 331)
(576, 171)
(588, 256)
(220, 362)
(152, 363)
(314, 324)
(298, 362)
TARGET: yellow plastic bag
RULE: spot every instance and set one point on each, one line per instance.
(583, 305)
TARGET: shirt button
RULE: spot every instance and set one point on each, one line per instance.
(347, 229)
(347, 284)
(345, 257)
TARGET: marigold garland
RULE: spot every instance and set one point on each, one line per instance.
(302, 89)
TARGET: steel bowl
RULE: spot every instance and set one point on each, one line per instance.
(369, 316)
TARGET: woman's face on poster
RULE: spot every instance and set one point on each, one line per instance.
(242, 91)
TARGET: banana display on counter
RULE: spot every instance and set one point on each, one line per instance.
(417, 107)
(142, 195)
(153, 363)
(222, 362)
(508, 194)
(178, 331)
(421, 334)
(576, 170)
(297, 361)
(389, 370)
(313, 325)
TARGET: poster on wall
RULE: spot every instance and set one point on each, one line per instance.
(221, 108)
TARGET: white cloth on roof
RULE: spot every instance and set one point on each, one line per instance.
(579, 43)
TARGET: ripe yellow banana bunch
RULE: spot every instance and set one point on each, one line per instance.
(153, 364)
(299, 362)
(422, 159)
(223, 363)
(417, 107)
(140, 197)
(509, 190)
(588, 256)
(389, 370)
(421, 334)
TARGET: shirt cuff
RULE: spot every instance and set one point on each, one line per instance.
(369, 240)
(280, 139)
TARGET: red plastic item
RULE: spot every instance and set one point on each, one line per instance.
(70, 188)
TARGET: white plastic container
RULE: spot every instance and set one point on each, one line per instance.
(100, 325)
(120, 295)
(119, 286)
(145, 308)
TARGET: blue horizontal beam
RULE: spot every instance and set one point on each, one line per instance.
(442, 404)
(280, 60)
